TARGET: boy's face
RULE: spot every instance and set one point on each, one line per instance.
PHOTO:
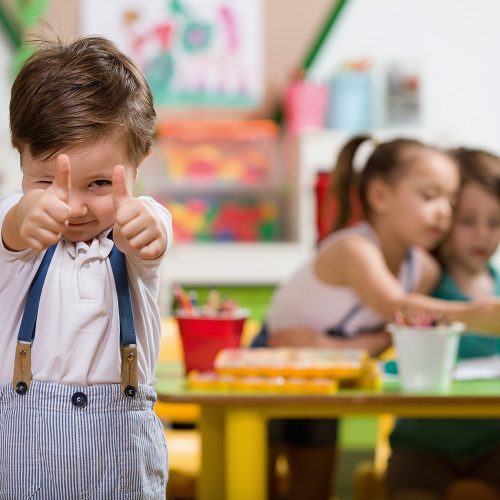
(90, 197)
(475, 232)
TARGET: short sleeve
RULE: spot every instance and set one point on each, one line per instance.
(7, 201)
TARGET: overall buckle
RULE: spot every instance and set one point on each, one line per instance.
(129, 379)
(22, 368)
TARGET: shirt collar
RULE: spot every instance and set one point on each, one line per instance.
(99, 248)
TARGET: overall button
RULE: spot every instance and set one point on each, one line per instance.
(21, 388)
(79, 399)
(130, 391)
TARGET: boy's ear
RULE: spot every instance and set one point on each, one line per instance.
(135, 175)
(379, 196)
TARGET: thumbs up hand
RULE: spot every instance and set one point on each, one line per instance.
(42, 214)
(137, 230)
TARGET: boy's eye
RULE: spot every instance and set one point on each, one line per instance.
(100, 183)
(428, 196)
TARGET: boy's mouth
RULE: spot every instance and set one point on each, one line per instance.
(78, 224)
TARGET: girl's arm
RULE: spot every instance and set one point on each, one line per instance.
(373, 342)
(357, 263)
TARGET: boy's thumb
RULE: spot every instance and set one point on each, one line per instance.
(62, 177)
(120, 190)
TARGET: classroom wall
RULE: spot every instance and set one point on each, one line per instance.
(454, 41)
(288, 34)
(9, 163)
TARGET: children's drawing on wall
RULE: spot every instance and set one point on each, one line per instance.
(193, 52)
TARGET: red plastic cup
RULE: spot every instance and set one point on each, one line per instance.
(202, 338)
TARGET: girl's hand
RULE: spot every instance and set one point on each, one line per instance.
(42, 214)
(482, 316)
(137, 230)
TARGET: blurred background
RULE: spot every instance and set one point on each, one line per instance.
(254, 99)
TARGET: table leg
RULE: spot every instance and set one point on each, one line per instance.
(246, 454)
(211, 480)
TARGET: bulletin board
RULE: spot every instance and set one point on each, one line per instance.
(193, 52)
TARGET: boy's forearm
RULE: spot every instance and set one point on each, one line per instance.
(11, 235)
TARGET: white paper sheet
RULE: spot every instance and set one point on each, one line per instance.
(485, 368)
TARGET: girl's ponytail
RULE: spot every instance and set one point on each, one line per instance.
(344, 180)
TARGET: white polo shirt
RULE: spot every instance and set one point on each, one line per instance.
(77, 339)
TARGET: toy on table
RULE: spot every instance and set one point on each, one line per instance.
(288, 370)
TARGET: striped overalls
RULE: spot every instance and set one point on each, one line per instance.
(59, 442)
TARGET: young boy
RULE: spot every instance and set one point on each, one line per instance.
(428, 454)
(79, 281)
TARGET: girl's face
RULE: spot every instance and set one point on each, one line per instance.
(475, 231)
(417, 208)
(90, 198)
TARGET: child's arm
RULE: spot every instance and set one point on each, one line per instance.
(39, 218)
(138, 230)
(373, 342)
(360, 265)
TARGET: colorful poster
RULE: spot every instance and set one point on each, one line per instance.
(193, 52)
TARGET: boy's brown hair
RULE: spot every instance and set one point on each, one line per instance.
(75, 94)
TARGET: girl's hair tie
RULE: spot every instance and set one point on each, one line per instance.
(363, 154)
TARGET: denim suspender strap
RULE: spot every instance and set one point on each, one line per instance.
(128, 345)
(22, 362)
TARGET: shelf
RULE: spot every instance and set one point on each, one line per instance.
(214, 189)
(216, 264)
(233, 263)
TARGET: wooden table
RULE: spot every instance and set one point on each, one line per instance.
(233, 425)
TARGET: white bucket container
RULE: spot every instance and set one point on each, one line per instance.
(426, 355)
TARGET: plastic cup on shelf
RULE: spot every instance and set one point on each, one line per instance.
(426, 355)
(305, 106)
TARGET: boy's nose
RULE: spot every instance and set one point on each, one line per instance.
(77, 205)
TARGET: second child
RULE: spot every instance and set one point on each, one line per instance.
(428, 454)
(362, 274)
